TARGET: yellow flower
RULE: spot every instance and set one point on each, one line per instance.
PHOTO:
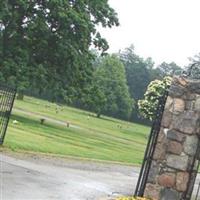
(132, 198)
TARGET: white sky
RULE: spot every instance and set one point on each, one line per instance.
(166, 30)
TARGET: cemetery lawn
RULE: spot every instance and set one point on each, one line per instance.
(87, 136)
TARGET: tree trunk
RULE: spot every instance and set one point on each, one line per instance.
(20, 96)
(98, 115)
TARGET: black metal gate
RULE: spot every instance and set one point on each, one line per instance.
(7, 97)
(193, 187)
(196, 189)
(144, 172)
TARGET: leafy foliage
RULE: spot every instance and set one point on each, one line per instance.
(147, 106)
(138, 72)
(168, 69)
(109, 91)
(45, 49)
(45, 44)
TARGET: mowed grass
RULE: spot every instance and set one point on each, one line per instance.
(106, 138)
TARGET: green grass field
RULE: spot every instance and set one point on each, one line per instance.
(89, 137)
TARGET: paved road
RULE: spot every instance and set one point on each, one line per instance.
(32, 177)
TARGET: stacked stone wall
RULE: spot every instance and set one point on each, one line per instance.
(175, 153)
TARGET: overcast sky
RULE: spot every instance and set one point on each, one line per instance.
(166, 30)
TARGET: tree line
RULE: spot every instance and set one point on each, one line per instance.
(120, 82)
(45, 50)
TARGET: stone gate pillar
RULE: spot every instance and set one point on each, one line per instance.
(174, 162)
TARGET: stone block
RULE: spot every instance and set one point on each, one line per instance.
(194, 86)
(169, 103)
(189, 105)
(167, 180)
(188, 96)
(178, 105)
(177, 162)
(162, 136)
(175, 135)
(160, 151)
(182, 179)
(197, 104)
(174, 147)
(181, 81)
(190, 145)
(152, 191)
(176, 91)
(166, 119)
(153, 172)
(187, 122)
(168, 169)
(169, 194)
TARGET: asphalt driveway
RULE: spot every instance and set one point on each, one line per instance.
(29, 177)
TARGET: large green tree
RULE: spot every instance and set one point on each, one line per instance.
(168, 69)
(138, 71)
(109, 93)
(44, 45)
